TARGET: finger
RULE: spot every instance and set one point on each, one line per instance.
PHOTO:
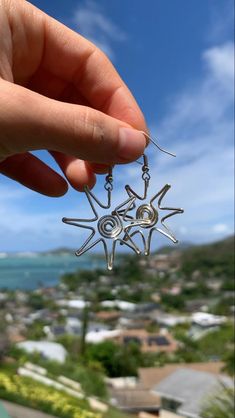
(30, 121)
(78, 172)
(34, 174)
(91, 71)
(99, 168)
(71, 58)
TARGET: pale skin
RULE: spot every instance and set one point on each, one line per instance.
(60, 93)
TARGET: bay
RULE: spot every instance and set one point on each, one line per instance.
(29, 273)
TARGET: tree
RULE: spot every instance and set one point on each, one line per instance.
(173, 301)
(116, 360)
(36, 301)
(220, 405)
(229, 360)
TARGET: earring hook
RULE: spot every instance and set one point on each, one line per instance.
(154, 142)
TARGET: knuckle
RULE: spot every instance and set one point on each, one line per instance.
(94, 128)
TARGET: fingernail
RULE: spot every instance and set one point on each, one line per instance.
(131, 144)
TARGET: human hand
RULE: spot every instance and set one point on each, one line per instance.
(60, 93)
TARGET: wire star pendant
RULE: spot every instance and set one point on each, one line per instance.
(108, 229)
(149, 213)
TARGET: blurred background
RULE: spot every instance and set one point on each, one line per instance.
(133, 337)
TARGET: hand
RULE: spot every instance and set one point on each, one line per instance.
(60, 93)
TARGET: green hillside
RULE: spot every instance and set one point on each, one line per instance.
(215, 259)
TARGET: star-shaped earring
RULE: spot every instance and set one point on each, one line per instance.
(110, 227)
(149, 213)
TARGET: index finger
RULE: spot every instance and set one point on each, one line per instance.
(74, 59)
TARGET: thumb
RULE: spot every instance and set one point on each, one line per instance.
(29, 121)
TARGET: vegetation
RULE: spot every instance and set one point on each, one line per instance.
(205, 349)
(215, 259)
(229, 360)
(90, 376)
(116, 360)
(24, 391)
(224, 338)
(220, 405)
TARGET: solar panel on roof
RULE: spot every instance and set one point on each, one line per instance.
(131, 339)
(158, 340)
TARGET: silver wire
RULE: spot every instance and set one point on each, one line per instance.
(154, 142)
(150, 217)
(110, 227)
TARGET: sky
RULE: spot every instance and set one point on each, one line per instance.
(177, 57)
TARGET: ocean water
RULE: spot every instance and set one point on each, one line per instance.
(32, 272)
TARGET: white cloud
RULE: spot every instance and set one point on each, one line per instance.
(92, 23)
(199, 128)
(220, 229)
(220, 61)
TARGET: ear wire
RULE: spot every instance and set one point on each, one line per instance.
(154, 142)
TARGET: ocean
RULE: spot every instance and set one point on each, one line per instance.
(29, 273)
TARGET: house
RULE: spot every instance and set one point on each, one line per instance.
(207, 320)
(99, 336)
(184, 391)
(73, 326)
(137, 395)
(108, 316)
(170, 320)
(121, 382)
(166, 262)
(77, 304)
(135, 322)
(151, 376)
(120, 304)
(48, 350)
(149, 342)
(199, 304)
(135, 401)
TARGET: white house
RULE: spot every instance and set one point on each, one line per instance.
(205, 319)
(102, 335)
(49, 350)
(120, 304)
(73, 303)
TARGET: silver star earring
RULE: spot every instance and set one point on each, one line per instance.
(148, 210)
(108, 229)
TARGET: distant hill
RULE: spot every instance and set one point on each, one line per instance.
(216, 258)
(59, 251)
(169, 248)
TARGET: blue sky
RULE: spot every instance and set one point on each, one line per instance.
(177, 58)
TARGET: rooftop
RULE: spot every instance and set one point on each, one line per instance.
(135, 400)
(49, 350)
(149, 342)
(190, 388)
(151, 376)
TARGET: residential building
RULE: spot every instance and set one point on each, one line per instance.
(184, 391)
(96, 337)
(170, 320)
(149, 342)
(135, 401)
(151, 376)
(207, 320)
(48, 350)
